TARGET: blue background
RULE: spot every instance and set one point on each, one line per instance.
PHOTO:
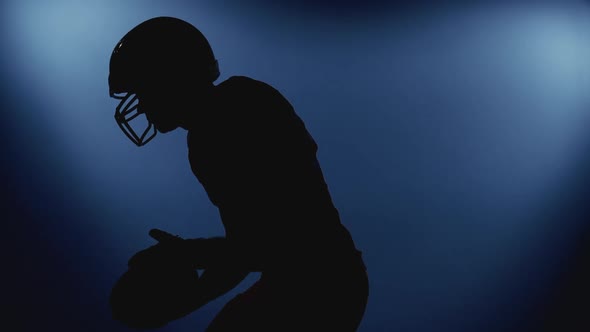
(453, 138)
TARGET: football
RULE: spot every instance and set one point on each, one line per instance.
(151, 297)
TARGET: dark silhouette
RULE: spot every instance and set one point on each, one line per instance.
(257, 163)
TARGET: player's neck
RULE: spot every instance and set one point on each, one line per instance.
(198, 114)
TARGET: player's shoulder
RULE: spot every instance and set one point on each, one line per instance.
(243, 81)
(247, 87)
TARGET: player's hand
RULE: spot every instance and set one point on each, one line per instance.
(170, 251)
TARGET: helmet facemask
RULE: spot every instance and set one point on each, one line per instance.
(128, 110)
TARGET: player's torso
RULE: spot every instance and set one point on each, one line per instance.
(258, 165)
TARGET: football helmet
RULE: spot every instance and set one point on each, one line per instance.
(161, 56)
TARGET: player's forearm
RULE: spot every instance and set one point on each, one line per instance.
(220, 253)
(206, 253)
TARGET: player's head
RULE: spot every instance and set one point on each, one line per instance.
(155, 69)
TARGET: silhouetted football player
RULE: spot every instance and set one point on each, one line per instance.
(257, 163)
